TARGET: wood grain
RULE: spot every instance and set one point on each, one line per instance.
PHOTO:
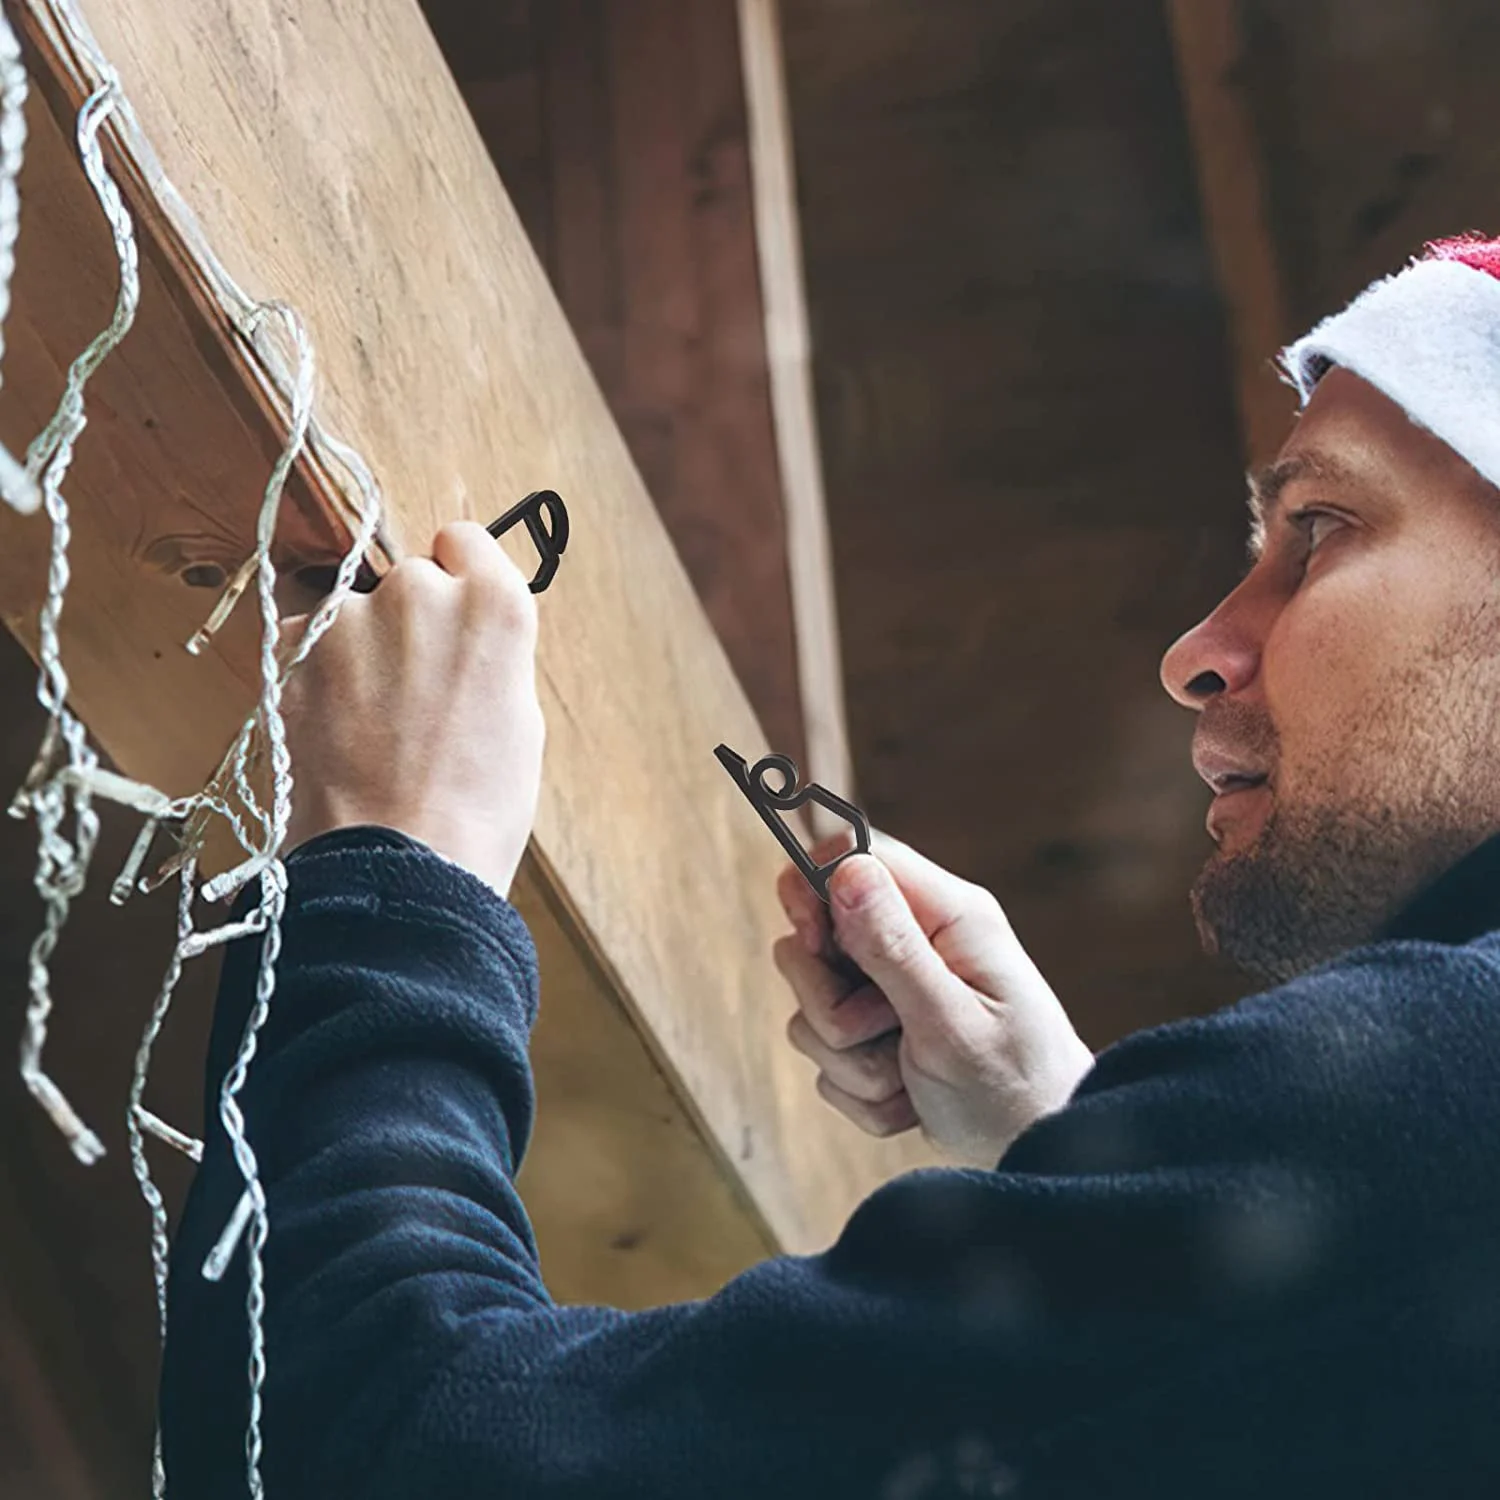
(778, 240)
(330, 161)
(1032, 459)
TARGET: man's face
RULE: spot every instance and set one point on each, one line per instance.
(1348, 689)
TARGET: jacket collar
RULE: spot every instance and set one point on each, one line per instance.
(1461, 904)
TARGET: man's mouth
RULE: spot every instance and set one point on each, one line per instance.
(1226, 770)
(1224, 812)
(1229, 782)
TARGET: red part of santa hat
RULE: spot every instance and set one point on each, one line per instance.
(1429, 338)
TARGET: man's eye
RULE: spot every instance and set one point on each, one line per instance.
(1315, 525)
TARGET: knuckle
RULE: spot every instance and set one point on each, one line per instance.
(412, 577)
(892, 1116)
(508, 595)
(457, 534)
(845, 1027)
(831, 844)
(839, 1025)
(897, 945)
(987, 905)
(536, 722)
(875, 1077)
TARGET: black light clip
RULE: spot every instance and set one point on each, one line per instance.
(751, 781)
(551, 539)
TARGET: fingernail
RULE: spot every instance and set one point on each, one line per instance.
(854, 882)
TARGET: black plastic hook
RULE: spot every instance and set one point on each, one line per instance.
(751, 781)
(551, 540)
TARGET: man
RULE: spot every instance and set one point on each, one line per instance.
(1255, 1253)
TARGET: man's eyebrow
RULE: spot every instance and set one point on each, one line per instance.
(1267, 486)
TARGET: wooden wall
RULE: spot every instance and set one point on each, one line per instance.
(619, 128)
(1032, 461)
(690, 382)
(1378, 120)
(1028, 406)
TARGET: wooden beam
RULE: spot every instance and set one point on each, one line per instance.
(1210, 45)
(653, 258)
(322, 154)
(654, 181)
(789, 345)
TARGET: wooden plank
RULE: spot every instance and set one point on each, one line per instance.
(630, 1208)
(789, 352)
(1210, 45)
(659, 231)
(652, 251)
(328, 160)
(169, 470)
(1002, 249)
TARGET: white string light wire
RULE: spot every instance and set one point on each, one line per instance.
(16, 486)
(50, 791)
(62, 866)
(135, 1118)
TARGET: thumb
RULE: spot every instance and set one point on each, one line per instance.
(876, 927)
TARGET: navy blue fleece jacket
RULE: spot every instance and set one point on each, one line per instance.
(1257, 1254)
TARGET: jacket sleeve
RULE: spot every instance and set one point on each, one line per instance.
(962, 1318)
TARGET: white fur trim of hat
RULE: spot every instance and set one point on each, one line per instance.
(1427, 337)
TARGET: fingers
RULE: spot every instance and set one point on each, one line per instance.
(889, 1118)
(870, 1072)
(466, 550)
(851, 1035)
(878, 930)
(841, 1017)
(412, 577)
(937, 897)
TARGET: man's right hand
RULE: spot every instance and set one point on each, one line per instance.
(956, 1031)
(418, 710)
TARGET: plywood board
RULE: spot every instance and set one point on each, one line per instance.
(329, 161)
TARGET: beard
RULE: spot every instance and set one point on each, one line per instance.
(1341, 853)
(1315, 884)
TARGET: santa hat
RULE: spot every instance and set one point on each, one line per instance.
(1427, 337)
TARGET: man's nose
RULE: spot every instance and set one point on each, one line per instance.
(1218, 655)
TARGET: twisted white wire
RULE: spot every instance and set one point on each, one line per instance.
(48, 792)
(13, 86)
(267, 916)
(136, 1116)
(16, 485)
(62, 867)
